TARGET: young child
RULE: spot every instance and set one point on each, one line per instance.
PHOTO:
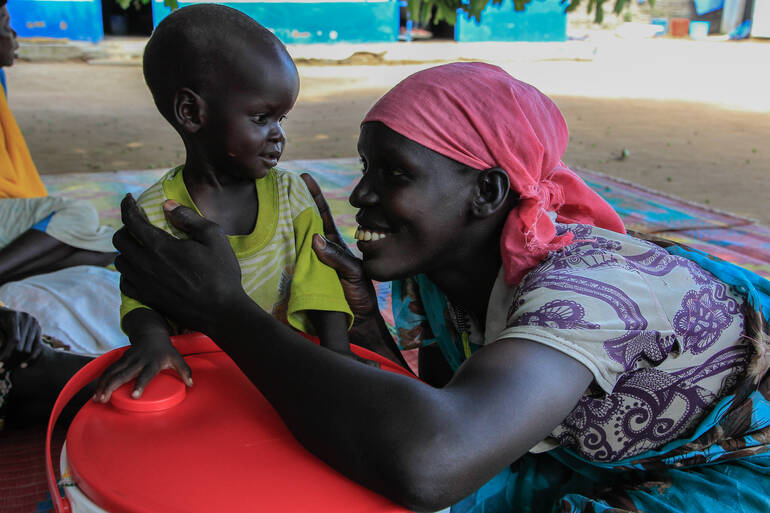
(225, 83)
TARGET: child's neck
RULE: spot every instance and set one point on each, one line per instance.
(230, 202)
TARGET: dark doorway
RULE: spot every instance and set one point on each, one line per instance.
(136, 20)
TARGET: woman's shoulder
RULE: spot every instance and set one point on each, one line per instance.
(612, 258)
(660, 335)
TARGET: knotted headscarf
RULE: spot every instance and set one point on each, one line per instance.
(480, 116)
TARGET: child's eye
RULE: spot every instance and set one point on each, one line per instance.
(396, 173)
(260, 119)
(282, 119)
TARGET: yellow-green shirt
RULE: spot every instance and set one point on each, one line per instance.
(279, 269)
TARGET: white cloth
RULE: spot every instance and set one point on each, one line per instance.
(78, 305)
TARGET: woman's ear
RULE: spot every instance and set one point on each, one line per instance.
(189, 110)
(492, 192)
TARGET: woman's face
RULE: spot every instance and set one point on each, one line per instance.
(414, 205)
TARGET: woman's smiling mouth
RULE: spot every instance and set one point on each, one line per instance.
(365, 235)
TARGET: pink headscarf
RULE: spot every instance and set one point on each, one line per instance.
(480, 116)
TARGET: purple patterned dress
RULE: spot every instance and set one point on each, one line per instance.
(677, 418)
(661, 336)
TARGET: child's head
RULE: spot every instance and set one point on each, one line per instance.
(225, 83)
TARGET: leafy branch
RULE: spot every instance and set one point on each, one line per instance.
(423, 11)
(125, 4)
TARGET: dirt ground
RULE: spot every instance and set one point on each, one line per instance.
(693, 118)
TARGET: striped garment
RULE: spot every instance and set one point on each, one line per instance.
(279, 269)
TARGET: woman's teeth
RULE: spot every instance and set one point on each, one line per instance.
(366, 235)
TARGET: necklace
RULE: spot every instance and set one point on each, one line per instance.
(462, 326)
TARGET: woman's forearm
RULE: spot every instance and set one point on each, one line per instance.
(366, 432)
(421, 446)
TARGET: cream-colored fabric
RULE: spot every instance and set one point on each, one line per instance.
(74, 222)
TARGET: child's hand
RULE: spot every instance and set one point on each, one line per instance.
(150, 352)
(142, 361)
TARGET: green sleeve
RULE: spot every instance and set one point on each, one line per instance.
(314, 286)
(150, 202)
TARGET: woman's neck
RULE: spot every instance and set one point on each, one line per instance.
(469, 285)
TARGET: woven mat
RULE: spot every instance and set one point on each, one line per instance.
(733, 238)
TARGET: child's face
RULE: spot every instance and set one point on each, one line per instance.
(244, 130)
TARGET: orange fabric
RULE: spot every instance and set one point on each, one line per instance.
(18, 175)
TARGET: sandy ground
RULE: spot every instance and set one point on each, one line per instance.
(694, 116)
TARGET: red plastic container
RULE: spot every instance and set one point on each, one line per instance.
(680, 27)
(218, 446)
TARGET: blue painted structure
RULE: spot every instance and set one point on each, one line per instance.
(365, 21)
(541, 20)
(80, 20)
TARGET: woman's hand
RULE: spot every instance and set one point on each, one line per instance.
(369, 329)
(332, 251)
(193, 281)
(20, 342)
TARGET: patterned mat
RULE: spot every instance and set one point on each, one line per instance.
(738, 240)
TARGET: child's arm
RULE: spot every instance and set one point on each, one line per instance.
(332, 330)
(150, 352)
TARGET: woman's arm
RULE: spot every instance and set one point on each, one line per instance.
(424, 447)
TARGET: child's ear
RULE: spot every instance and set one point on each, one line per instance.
(189, 110)
(492, 192)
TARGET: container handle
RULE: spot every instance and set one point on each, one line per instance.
(192, 343)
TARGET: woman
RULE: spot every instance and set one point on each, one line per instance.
(566, 366)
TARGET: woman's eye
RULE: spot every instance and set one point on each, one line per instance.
(396, 172)
(363, 165)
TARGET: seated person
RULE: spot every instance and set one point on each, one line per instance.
(53, 323)
(50, 326)
(225, 83)
(38, 233)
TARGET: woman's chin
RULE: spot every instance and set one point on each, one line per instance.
(379, 270)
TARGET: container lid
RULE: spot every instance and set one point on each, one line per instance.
(218, 446)
(166, 392)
